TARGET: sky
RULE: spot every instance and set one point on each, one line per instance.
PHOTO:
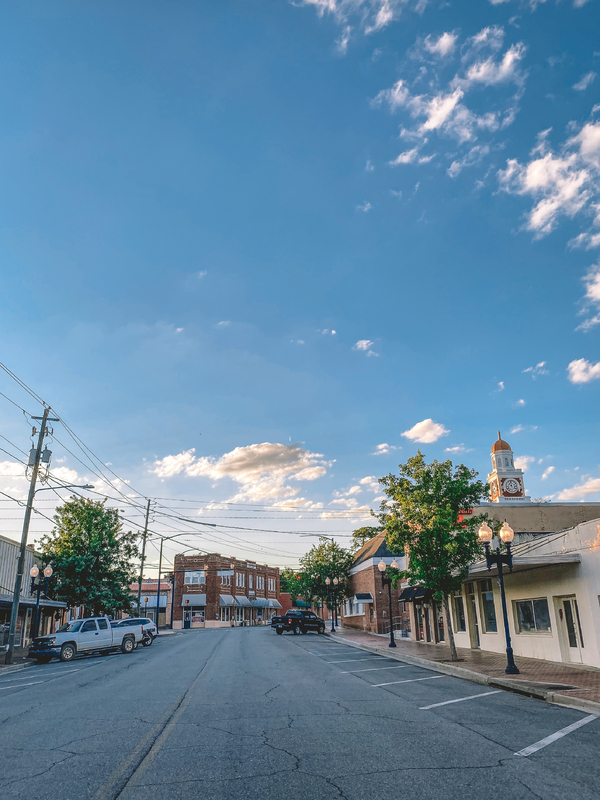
(255, 253)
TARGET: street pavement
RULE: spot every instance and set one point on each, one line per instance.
(243, 713)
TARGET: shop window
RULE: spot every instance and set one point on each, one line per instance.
(460, 622)
(225, 575)
(490, 624)
(225, 614)
(533, 616)
(198, 614)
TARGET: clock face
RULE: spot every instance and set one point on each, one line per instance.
(511, 486)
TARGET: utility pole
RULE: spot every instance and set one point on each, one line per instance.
(144, 537)
(8, 659)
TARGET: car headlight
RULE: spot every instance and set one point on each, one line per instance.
(48, 642)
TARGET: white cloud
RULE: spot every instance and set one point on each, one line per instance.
(458, 448)
(587, 487)
(490, 72)
(327, 332)
(517, 429)
(411, 157)
(396, 193)
(442, 46)
(371, 483)
(368, 17)
(537, 370)
(11, 469)
(201, 274)
(366, 207)
(384, 448)
(363, 344)
(583, 371)
(261, 470)
(66, 475)
(223, 324)
(369, 166)
(524, 462)
(583, 83)
(548, 472)
(426, 431)
(591, 300)
(474, 156)
(500, 386)
(520, 403)
(562, 183)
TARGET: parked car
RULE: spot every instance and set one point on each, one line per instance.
(149, 628)
(92, 635)
(298, 621)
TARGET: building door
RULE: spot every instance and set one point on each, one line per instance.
(187, 619)
(472, 614)
(568, 613)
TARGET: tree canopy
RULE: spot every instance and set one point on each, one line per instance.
(362, 535)
(327, 559)
(92, 556)
(422, 516)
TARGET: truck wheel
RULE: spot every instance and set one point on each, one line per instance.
(67, 652)
(44, 659)
(279, 631)
(322, 629)
(297, 630)
(147, 641)
(127, 645)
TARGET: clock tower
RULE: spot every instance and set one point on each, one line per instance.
(505, 480)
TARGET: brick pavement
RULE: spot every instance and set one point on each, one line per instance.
(532, 670)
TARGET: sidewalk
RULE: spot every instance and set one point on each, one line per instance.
(570, 685)
(19, 660)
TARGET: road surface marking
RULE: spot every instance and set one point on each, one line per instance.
(373, 669)
(349, 660)
(460, 699)
(410, 680)
(20, 685)
(46, 675)
(533, 748)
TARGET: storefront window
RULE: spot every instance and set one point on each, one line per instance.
(198, 615)
(225, 614)
(533, 616)
(460, 623)
(489, 609)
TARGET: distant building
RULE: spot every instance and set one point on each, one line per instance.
(148, 601)
(213, 591)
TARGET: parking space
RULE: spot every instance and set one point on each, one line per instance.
(524, 726)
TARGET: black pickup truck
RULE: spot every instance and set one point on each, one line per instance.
(298, 621)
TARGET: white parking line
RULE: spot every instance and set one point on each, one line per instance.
(533, 748)
(45, 675)
(410, 680)
(460, 699)
(350, 660)
(372, 669)
(20, 685)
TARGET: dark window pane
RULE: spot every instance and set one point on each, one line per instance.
(459, 608)
(570, 624)
(90, 625)
(542, 615)
(489, 611)
(525, 616)
(103, 624)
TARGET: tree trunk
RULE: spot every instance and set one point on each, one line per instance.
(451, 642)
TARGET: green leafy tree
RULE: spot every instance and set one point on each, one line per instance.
(422, 517)
(291, 581)
(93, 557)
(327, 559)
(362, 535)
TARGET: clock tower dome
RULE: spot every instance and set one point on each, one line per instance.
(505, 480)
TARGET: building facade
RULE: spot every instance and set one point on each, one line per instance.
(213, 591)
(148, 601)
(50, 611)
(367, 607)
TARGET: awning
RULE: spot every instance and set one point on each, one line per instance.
(242, 600)
(274, 603)
(422, 595)
(152, 601)
(29, 602)
(191, 600)
(260, 602)
(527, 563)
(226, 600)
(302, 604)
(363, 597)
(407, 594)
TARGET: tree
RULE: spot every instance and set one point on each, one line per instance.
(290, 581)
(422, 517)
(92, 557)
(362, 535)
(330, 560)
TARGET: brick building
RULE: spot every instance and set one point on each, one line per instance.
(367, 607)
(213, 591)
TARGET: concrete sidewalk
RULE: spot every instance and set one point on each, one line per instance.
(571, 685)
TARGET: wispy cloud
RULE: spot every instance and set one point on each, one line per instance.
(427, 431)
(369, 166)
(458, 448)
(384, 448)
(363, 344)
(366, 207)
(583, 83)
(547, 473)
(537, 370)
(584, 489)
(591, 300)
(524, 462)
(520, 403)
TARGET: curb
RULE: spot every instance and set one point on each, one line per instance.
(15, 668)
(518, 687)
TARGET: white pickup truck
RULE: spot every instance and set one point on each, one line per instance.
(91, 635)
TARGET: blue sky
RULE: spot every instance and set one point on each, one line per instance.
(300, 230)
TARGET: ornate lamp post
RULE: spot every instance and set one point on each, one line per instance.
(507, 534)
(328, 582)
(388, 582)
(40, 586)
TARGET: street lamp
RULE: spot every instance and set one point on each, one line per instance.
(40, 586)
(335, 585)
(507, 534)
(388, 582)
(328, 582)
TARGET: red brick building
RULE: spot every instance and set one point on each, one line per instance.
(367, 607)
(213, 591)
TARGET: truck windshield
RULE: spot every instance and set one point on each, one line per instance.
(70, 627)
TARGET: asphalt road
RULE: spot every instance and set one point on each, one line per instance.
(231, 714)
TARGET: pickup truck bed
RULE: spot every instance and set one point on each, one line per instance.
(92, 635)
